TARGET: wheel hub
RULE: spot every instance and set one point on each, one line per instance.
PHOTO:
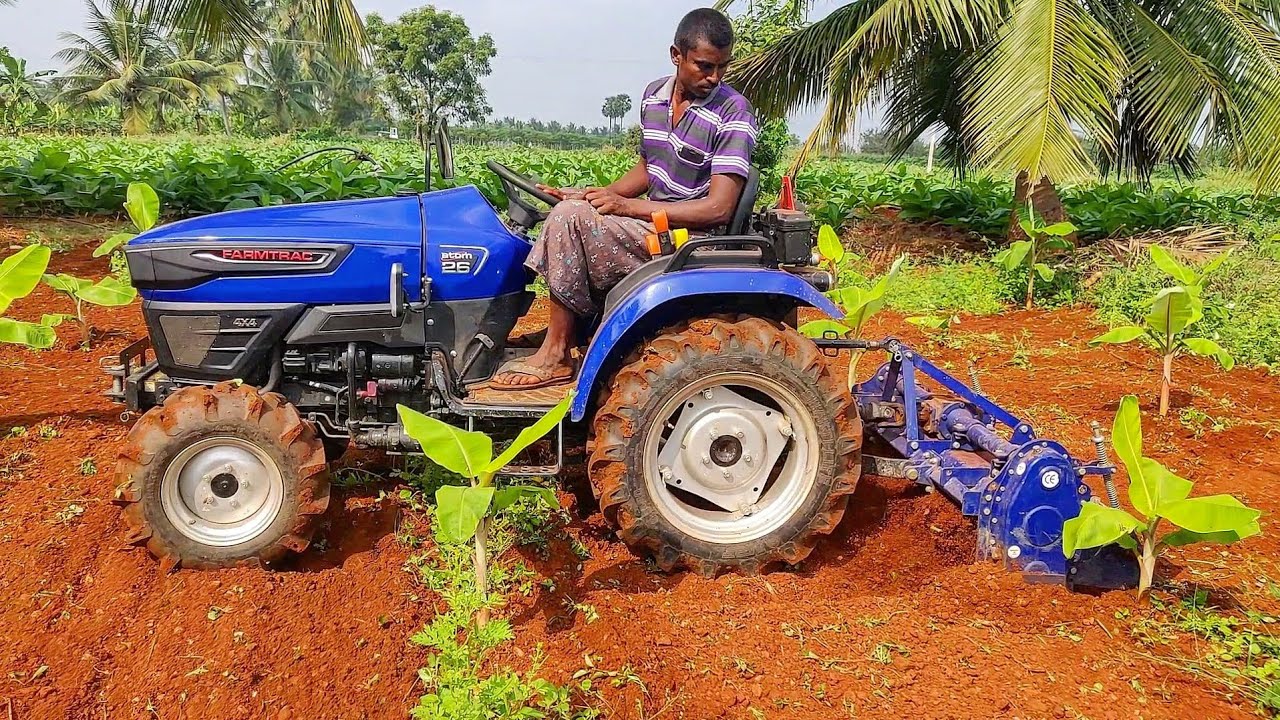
(726, 451)
(723, 448)
(222, 491)
(224, 485)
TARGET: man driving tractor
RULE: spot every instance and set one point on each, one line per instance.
(695, 157)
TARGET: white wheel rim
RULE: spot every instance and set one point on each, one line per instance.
(680, 473)
(222, 491)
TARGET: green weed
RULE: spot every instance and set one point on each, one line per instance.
(1237, 649)
(455, 680)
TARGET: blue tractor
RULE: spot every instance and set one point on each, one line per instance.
(717, 437)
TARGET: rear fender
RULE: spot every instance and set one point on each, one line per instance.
(669, 297)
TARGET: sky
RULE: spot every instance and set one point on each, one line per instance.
(557, 59)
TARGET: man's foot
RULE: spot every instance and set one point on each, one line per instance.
(526, 375)
(528, 340)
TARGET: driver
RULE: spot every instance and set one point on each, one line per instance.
(694, 160)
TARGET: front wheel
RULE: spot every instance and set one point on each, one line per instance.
(221, 476)
(726, 445)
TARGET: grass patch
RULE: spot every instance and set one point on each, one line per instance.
(456, 682)
(1238, 650)
(972, 285)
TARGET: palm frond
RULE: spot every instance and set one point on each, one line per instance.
(1052, 67)
(793, 73)
(923, 94)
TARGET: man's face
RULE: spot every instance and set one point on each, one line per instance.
(701, 69)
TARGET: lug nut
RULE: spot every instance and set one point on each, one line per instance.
(706, 459)
(706, 393)
(746, 459)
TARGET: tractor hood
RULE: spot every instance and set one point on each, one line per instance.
(391, 221)
(317, 252)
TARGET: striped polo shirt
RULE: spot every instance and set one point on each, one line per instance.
(715, 137)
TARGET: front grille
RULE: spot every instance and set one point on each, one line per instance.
(211, 342)
(189, 337)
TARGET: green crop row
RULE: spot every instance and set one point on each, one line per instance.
(840, 191)
(58, 175)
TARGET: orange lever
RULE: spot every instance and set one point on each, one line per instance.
(660, 222)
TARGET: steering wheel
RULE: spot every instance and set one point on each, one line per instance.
(520, 210)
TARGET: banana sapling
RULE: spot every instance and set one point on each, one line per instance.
(859, 304)
(1173, 311)
(1041, 240)
(19, 275)
(461, 512)
(1158, 496)
(143, 206)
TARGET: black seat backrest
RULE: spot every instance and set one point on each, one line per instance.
(741, 222)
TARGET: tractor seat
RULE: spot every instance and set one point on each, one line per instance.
(740, 224)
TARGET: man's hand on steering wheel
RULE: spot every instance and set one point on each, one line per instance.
(562, 193)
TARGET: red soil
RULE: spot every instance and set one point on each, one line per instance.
(90, 627)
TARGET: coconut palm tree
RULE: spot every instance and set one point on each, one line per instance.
(336, 23)
(348, 93)
(280, 82)
(216, 73)
(17, 86)
(1023, 85)
(126, 60)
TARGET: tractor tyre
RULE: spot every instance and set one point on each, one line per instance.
(222, 476)
(674, 438)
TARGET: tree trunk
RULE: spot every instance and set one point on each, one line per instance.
(1031, 275)
(226, 113)
(1044, 200)
(1166, 381)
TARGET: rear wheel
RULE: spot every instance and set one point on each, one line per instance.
(725, 445)
(220, 476)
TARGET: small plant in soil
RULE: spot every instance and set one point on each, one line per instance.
(1173, 311)
(143, 206)
(107, 292)
(461, 637)
(1042, 240)
(859, 304)
(1235, 648)
(461, 512)
(1157, 495)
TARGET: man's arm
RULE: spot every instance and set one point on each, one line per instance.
(706, 212)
